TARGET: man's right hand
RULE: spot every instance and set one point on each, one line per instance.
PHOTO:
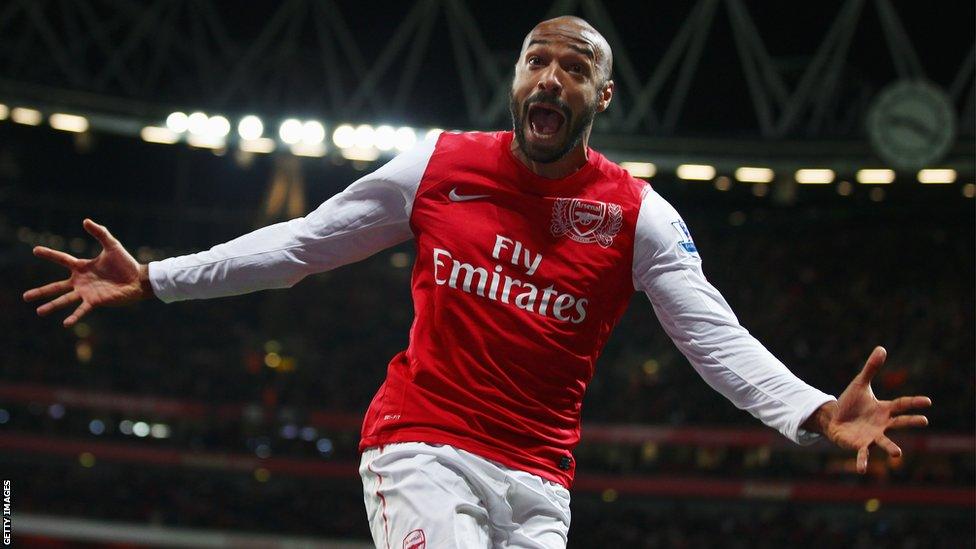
(111, 279)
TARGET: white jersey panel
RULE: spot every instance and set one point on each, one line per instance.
(370, 215)
(697, 318)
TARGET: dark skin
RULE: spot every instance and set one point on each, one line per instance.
(565, 66)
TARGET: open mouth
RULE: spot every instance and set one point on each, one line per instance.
(545, 120)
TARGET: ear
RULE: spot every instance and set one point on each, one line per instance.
(606, 94)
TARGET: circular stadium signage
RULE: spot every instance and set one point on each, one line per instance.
(911, 124)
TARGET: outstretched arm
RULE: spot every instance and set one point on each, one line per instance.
(667, 268)
(371, 214)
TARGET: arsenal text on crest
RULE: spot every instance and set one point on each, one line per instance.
(586, 220)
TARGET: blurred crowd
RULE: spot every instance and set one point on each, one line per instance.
(188, 499)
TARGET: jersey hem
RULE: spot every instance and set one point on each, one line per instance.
(468, 445)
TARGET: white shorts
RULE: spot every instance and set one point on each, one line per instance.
(421, 496)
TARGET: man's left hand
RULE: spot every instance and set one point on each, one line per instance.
(857, 419)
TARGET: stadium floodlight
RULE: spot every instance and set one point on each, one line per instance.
(290, 131)
(814, 176)
(155, 134)
(68, 122)
(344, 136)
(313, 132)
(23, 115)
(640, 169)
(405, 139)
(969, 190)
(197, 123)
(4, 111)
(250, 128)
(364, 136)
(308, 149)
(217, 126)
(433, 132)
(696, 172)
(178, 122)
(263, 145)
(125, 426)
(385, 138)
(875, 176)
(937, 176)
(749, 174)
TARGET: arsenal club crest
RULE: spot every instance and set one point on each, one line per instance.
(586, 220)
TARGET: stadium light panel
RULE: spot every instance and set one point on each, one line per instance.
(205, 141)
(23, 115)
(696, 172)
(263, 145)
(250, 128)
(68, 122)
(313, 132)
(385, 138)
(405, 139)
(197, 123)
(155, 134)
(308, 149)
(357, 153)
(178, 122)
(640, 169)
(290, 131)
(875, 176)
(159, 430)
(937, 176)
(814, 176)
(344, 136)
(4, 111)
(749, 174)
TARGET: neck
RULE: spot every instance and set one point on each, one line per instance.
(565, 166)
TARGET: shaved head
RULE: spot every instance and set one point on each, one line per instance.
(577, 29)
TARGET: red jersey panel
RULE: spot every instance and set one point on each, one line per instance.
(517, 284)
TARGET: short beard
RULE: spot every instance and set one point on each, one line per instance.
(574, 133)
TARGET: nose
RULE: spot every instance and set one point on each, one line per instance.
(549, 80)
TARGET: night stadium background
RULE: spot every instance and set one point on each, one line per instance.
(234, 422)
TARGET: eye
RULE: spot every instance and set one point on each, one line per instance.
(576, 67)
(535, 60)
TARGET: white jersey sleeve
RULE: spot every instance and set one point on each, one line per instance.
(697, 318)
(370, 215)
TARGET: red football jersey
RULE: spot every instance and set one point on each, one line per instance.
(517, 284)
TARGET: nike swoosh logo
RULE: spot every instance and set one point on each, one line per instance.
(455, 197)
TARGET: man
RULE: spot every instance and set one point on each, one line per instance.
(529, 245)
